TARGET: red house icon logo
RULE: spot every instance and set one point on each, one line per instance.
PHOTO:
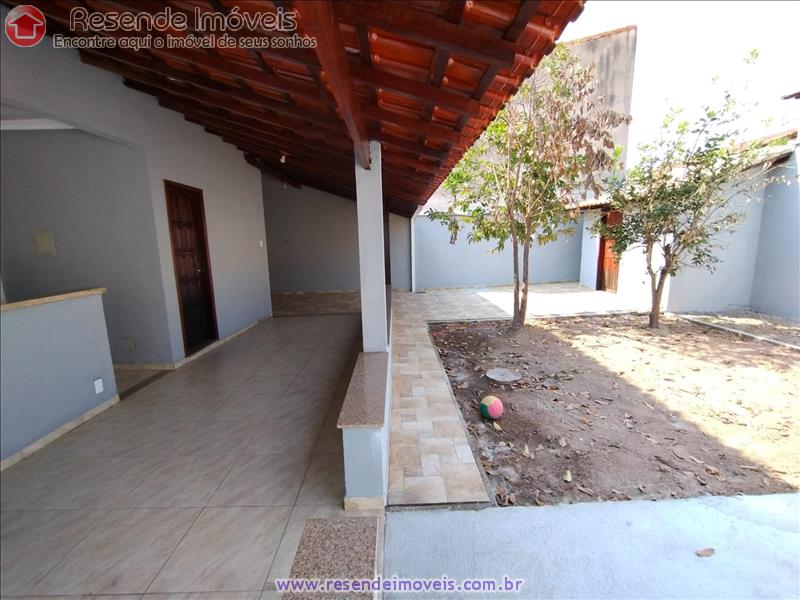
(25, 26)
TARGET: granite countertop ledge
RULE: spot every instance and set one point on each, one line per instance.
(49, 299)
(365, 402)
(336, 548)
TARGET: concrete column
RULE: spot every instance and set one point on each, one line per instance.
(369, 205)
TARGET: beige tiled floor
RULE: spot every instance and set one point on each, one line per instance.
(197, 485)
(430, 460)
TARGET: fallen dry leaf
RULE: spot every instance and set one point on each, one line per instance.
(705, 552)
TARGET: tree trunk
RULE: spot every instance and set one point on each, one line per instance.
(523, 302)
(657, 292)
(515, 322)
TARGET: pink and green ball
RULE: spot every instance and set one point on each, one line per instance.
(491, 407)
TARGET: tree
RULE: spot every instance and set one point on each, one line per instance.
(520, 180)
(676, 201)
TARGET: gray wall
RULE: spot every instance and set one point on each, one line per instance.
(613, 57)
(51, 354)
(312, 237)
(776, 281)
(54, 83)
(729, 287)
(441, 264)
(400, 251)
(92, 194)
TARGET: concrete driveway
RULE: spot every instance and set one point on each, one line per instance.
(636, 549)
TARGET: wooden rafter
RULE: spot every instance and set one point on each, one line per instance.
(424, 79)
(318, 19)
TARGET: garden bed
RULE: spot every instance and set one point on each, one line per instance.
(609, 410)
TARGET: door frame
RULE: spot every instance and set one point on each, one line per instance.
(204, 228)
(600, 282)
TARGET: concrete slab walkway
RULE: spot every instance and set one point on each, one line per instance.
(636, 549)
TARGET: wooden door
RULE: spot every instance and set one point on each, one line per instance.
(607, 263)
(187, 228)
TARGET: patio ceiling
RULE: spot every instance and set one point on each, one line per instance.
(424, 78)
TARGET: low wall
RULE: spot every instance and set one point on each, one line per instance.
(51, 355)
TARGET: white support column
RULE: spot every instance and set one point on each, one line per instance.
(369, 204)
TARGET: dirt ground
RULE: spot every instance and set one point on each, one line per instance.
(609, 410)
(767, 326)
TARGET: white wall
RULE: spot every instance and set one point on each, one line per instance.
(441, 264)
(55, 83)
(400, 251)
(313, 239)
(776, 281)
(590, 249)
(92, 195)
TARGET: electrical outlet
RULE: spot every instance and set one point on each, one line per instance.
(98, 386)
(44, 244)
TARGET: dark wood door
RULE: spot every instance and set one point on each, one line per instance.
(607, 263)
(187, 228)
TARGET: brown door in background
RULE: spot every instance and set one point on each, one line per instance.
(187, 229)
(607, 263)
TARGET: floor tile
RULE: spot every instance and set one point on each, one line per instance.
(228, 436)
(324, 482)
(226, 549)
(424, 490)
(463, 483)
(262, 479)
(33, 542)
(180, 481)
(97, 483)
(121, 555)
(282, 437)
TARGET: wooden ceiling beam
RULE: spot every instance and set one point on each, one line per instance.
(318, 19)
(318, 119)
(272, 82)
(425, 28)
(454, 11)
(427, 130)
(414, 89)
(522, 20)
(60, 15)
(407, 145)
(340, 163)
(246, 115)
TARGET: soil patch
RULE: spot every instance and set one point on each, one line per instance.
(609, 410)
(767, 326)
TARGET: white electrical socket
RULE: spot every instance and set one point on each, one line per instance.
(98, 386)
